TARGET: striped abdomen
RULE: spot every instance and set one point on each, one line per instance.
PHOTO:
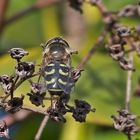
(58, 78)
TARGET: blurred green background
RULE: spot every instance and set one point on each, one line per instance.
(102, 83)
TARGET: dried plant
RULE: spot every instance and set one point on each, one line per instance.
(56, 76)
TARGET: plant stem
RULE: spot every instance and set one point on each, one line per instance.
(41, 128)
(128, 85)
(39, 4)
(34, 110)
(92, 50)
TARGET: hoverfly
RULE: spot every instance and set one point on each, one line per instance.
(58, 74)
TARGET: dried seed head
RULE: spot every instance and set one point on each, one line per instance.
(58, 110)
(126, 64)
(129, 10)
(76, 73)
(125, 122)
(123, 31)
(116, 51)
(80, 111)
(15, 104)
(56, 115)
(6, 82)
(37, 98)
(37, 88)
(25, 69)
(4, 132)
(17, 53)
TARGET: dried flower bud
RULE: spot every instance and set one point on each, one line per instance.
(37, 98)
(6, 83)
(125, 122)
(17, 53)
(126, 64)
(37, 88)
(4, 132)
(129, 10)
(76, 73)
(82, 108)
(116, 51)
(76, 4)
(15, 104)
(56, 115)
(58, 110)
(25, 69)
(123, 31)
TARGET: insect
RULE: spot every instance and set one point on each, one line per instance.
(59, 76)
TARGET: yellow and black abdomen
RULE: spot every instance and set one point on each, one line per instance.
(58, 78)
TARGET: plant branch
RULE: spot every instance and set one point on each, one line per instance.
(41, 128)
(34, 110)
(3, 9)
(128, 85)
(92, 50)
(24, 79)
(36, 6)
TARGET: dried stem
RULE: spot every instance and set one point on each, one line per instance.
(92, 50)
(41, 128)
(38, 5)
(24, 79)
(128, 85)
(3, 9)
(35, 110)
(19, 15)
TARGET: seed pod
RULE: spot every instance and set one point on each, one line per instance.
(37, 98)
(17, 53)
(80, 111)
(129, 10)
(126, 64)
(37, 88)
(123, 31)
(15, 104)
(4, 132)
(116, 51)
(6, 83)
(25, 69)
(125, 122)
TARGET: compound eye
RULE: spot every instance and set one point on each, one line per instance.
(57, 51)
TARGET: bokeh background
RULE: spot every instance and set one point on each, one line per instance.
(102, 84)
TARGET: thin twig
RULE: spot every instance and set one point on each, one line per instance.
(3, 9)
(92, 50)
(35, 110)
(24, 79)
(19, 15)
(128, 85)
(41, 128)
(36, 6)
